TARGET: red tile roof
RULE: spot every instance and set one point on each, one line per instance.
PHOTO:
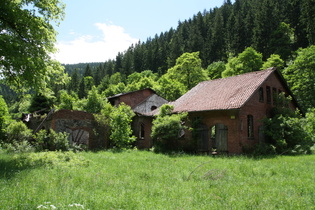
(222, 94)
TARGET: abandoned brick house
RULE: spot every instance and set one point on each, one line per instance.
(142, 102)
(230, 110)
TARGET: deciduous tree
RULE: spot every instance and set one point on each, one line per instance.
(215, 69)
(188, 70)
(247, 61)
(301, 77)
(120, 123)
(274, 61)
(27, 39)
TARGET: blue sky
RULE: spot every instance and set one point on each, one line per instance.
(96, 30)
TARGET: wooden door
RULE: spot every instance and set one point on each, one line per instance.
(221, 137)
(203, 138)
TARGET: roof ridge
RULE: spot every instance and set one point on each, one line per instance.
(252, 72)
(121, 94)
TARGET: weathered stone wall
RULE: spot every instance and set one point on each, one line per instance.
(81, 126)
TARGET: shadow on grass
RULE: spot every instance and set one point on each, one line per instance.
(9, 166)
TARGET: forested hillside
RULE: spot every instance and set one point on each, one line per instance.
(270, 26)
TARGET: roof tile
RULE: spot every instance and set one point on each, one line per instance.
(222, 94)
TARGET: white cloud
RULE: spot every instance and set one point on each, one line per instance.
(95, 48)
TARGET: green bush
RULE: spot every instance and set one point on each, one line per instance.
(167, 128)
(51, 159)
(18, 147)
(309, 124)
(52, 141)
(120, 124)
(18, 131)
(4, 116)
(285, 130)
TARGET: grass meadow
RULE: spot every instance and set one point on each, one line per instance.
(145, 180)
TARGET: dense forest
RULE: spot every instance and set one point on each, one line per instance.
(269, 26)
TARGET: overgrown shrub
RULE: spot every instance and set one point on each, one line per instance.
(18, 131)
(285, 130)
(167, 129)
(58, 141)
(309, 124)
(53, 141)
(18, 147)
(18, 138)
(120, 124)
(4, 116)
(51, 159)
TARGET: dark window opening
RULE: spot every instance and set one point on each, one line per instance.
(153, 108)
(141, 135)
(261, 94)
(250, 126)
(268, 94)
(274, 96)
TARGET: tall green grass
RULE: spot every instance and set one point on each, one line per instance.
(145, 180)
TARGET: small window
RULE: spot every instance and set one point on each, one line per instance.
(153, 108)
(261, 94)
(141, 134)
(268, 95)
(250, 126)
(274, 95)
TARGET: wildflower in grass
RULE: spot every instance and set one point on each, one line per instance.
(76, 205)
(47, 206)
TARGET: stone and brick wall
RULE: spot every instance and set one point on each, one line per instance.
(82, 128)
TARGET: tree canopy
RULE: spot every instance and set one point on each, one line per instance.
(188, 70)
(301, 77)
(247, 61)
(27, 39)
